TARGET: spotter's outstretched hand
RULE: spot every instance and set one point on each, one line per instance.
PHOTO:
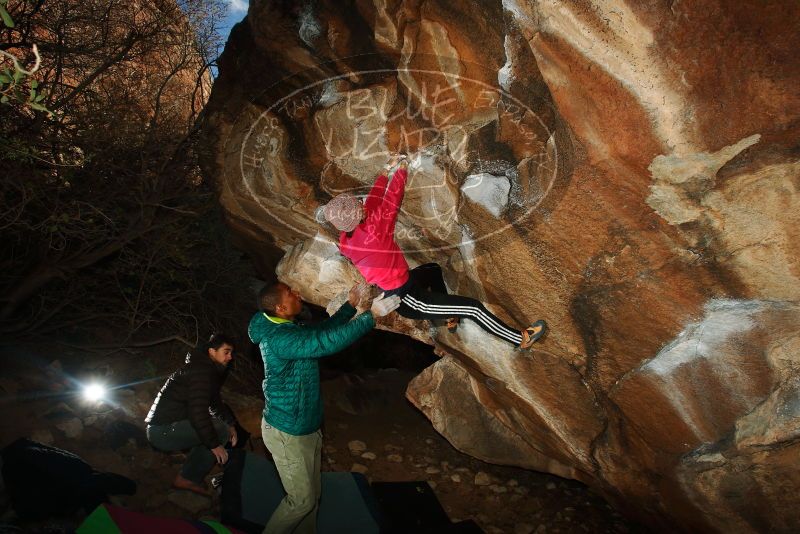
(383, 306)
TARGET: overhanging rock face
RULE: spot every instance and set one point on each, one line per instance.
(628, 173)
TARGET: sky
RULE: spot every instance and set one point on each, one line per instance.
(237, 9)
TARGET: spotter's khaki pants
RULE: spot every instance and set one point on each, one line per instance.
(297, 459)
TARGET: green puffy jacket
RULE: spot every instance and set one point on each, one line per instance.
(290, 351)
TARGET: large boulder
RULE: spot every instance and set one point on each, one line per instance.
(628, 172)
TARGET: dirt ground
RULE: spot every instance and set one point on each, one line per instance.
(369, 427)
(406, 447)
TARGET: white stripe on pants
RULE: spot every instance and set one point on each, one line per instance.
(487, 321)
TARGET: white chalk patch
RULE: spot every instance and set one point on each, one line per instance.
(704, 340)
(310, 28)
(518, 12)
(489, 191)
(330, 95)
(331, 271)
(706, 345)
(505, 76)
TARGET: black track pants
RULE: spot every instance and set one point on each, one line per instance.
(425, 296)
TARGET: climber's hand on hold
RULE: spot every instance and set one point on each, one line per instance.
(392, 162)
(383, 306)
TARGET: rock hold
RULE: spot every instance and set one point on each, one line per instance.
(356, 447)
(482, 479)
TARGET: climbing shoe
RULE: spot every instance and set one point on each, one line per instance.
(532, 334)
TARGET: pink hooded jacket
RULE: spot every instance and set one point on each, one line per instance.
(372, 247)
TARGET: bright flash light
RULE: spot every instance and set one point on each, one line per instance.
(94, 392)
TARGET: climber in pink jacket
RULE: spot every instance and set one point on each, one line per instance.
(367, 239)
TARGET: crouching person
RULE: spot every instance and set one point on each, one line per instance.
(293, 404)
(188, 413)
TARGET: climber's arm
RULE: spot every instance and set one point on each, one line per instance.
(394, 194)
(376, 193)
